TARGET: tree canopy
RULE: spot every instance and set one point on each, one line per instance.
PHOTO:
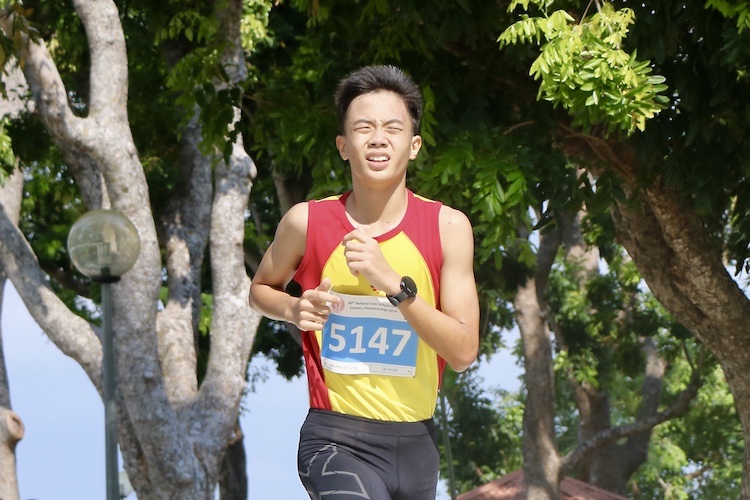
(574, 135)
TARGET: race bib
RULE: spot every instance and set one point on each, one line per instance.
(369, 336)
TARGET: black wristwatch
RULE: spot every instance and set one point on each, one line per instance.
(408, 291)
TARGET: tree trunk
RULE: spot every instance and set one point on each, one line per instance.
(11, 432)
(11, 426)
(610, 466)
(541, 461)
(686, 274)
(233, 476)
(681, 264)
(172, 432)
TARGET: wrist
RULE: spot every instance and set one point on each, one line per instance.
(394, 286)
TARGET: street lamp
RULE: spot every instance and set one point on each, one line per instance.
(104, 245)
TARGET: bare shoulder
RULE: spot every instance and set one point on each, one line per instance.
(453, 222)
(295, 219)
(456, 234)
(286, 250)
(291, 234)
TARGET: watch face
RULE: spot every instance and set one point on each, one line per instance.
(408, 286)
(408, 291)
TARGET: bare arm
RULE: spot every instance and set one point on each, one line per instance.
(453, 332)
(267, 295)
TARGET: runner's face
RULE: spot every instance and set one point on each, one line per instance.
(378, 140)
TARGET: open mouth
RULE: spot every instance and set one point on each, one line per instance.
(378, 160)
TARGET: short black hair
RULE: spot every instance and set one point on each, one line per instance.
(370, 79)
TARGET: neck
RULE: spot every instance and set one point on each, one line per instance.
(381, 210)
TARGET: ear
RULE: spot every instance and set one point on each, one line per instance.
(416, 145)
(341, 146)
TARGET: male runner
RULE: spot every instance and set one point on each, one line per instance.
(388, 298)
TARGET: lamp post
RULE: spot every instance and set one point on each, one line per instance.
(103, 245)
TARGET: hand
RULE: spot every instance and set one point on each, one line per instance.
(364, 256)
(311, 310)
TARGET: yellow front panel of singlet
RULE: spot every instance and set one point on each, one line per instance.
(384, 397)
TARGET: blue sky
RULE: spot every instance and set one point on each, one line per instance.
(61, 456)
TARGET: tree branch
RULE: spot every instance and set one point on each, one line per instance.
(72, 334)
(233, 324)
(678, 408)
(107, 44)
(45, 83)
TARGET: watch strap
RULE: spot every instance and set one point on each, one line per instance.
(398, 298)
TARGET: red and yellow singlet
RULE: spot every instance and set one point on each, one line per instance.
(413, 249)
